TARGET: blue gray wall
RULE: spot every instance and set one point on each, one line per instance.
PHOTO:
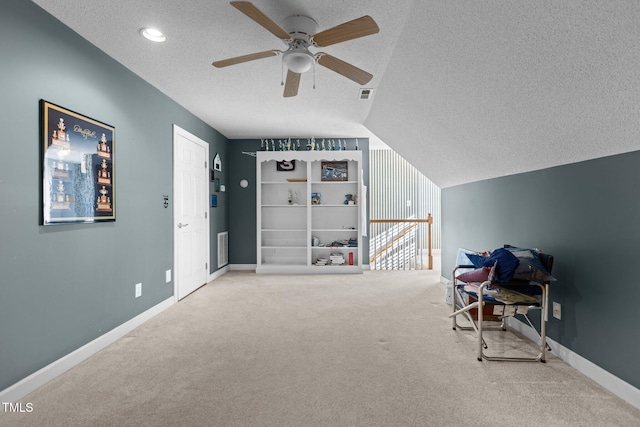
(585, 214)
(242, 224)
(63, 286)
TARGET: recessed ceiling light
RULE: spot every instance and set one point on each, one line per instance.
(153, 35)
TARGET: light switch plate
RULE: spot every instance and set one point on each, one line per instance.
(138, 290)
(167, 276)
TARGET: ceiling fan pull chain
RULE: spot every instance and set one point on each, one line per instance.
(282, 74)
(314, 74)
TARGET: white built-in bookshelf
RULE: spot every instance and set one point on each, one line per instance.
(309, 216)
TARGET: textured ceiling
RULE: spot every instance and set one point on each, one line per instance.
(465, 90)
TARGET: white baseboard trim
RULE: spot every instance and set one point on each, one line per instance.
(39, 378)
(213, 276)
(252, 267)
(244, 267)
(606, 379)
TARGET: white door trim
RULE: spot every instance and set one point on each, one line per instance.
(179, 131)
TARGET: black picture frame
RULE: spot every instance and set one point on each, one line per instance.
(78, 180)
(334, 171)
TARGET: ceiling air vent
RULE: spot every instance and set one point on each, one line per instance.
(365, 93)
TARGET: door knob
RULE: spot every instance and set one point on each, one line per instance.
(180, 225)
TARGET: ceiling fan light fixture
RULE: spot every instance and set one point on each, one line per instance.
(298, 62)
(153, 35)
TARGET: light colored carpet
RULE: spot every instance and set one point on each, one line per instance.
(375, 349)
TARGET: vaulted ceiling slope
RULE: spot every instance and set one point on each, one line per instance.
(465, 90)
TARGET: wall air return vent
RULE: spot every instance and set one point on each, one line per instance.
(223, 249)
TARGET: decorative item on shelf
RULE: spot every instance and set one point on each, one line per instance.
(286, 165)
(350, 258)
(315, 241)
(316, 198)
(293, 197)
(334, 171)
(348, 199)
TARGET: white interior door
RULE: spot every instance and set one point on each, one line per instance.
(191, 225)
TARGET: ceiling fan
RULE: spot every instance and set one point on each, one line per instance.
(299, 35)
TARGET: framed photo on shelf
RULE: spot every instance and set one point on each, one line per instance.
(77, 167)
(334, 171)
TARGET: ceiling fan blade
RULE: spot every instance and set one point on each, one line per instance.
(244, 58)
(344, 68)
(254, 13)
(292, 84)
(360, 27)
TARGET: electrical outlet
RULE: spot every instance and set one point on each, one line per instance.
(557, 310)
(167, 276)
(138, 290)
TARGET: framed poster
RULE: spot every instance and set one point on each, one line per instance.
(77, 166)
(334, 171)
